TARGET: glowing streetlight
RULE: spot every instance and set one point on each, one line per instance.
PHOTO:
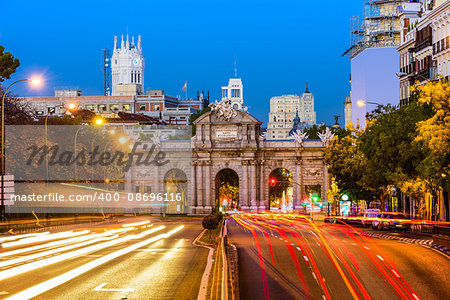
(361, 103)
(112, 131)
(122, 140)
(72, 106)
(35, 81)
(98, 121)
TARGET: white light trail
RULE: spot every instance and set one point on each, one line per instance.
(135, 224)
(48, 237)
(53, 251)
(63, 242)
(58, 280)
(59, 258)
(21, 236)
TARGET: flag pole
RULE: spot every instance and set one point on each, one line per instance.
(186, 88)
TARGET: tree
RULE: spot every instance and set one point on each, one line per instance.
(8, 64)
(197, 115)
(210, 222)
(435, 133)
(347, 164)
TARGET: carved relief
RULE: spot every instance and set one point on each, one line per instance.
(313, 172)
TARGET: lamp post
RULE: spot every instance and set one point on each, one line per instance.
(35, 82)
(362, 103)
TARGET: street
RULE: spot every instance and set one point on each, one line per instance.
(141, 260)
(287, 257)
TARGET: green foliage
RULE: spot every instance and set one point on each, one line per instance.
(347, 164)
(388, 144)
(8, 64)
(195, 116)
(313, 131)
(218, 215)
(283, 182)
(210, 222)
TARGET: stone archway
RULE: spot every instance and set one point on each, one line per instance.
(227, 189)
(281, 190)
(175, 191)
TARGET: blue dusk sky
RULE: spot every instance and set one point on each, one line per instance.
(279, 46)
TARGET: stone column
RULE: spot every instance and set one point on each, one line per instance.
(199, 188)
(193, 203)
(325, 186)
(262, 187)
(243, 192)
(298, 188)
(254, 205)
(301, 191)
(208, 205)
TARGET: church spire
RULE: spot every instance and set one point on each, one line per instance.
(122, 43)
(139, 42)
(307, 90)
(115, 42)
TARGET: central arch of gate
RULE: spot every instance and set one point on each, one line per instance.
(232, 140)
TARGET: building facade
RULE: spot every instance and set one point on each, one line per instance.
(409, 17)
(283, 110)
(425, 48)
(155, 103)
(374, 57)
(234, 92)
(127, 68)
(306, 112)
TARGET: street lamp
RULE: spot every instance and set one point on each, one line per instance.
(362, 103)
(35, 82)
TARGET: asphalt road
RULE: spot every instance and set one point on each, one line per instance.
(284, 257)
(143, 263)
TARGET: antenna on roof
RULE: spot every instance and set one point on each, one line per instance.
(235, 67)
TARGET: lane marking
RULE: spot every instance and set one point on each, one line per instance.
(415, 296)
(60, 279)
(395, 273)
(380, 257)
(101, 289)
(305, 258)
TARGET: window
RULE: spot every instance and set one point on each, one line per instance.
(126, 107)
(39, 112)
(102, 107)
(114, 107)
(157, 107)
(142, 107)
(90, 107)
(235, 93)
(224, 93)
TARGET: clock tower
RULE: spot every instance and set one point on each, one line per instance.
(127, 68)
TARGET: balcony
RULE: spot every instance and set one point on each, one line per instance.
(441, 45)
(422, 44)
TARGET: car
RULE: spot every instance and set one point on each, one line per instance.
(368, 216)
(376, 221)
(395, 221)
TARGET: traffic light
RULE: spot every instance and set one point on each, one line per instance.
(273, 181)
(315, 197)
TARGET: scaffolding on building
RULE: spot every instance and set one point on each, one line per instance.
(380, 28)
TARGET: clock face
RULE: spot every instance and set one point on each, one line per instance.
(135, 61)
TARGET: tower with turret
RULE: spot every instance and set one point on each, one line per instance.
(127, 68)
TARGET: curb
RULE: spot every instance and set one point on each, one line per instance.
(423, 242)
